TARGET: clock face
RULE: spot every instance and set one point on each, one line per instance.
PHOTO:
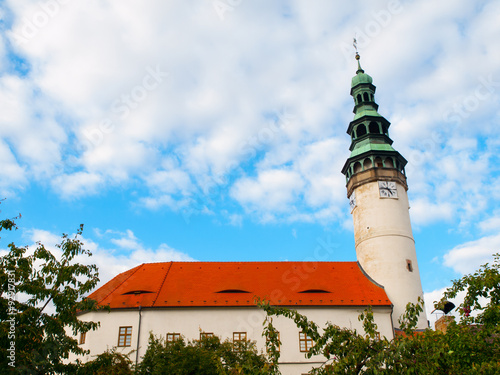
(352, 201)
(387, 189)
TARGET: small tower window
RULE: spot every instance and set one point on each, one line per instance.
(360, 130)
(374, 128)
(378, 163)
(409, 265)
(358, 97)
(367, 164)
(384, 129)
(357, 167)
(388, 163)
(366, 98)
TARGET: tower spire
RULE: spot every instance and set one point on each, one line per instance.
(357, 57)
(371, 146)
(360, 70)
(376, 188)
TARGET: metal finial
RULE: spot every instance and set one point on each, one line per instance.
(357, 57)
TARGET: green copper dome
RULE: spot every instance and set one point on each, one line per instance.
(361, 76)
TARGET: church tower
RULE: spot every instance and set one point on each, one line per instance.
(376, 188)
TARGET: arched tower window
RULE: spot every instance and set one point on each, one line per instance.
(366, 98)
(358, 97)
(360, 130)
(378, 162)
(389, 163)
(357, 167)
(367, 164)
(374, 128)
(384, 129)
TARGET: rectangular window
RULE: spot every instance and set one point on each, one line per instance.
(238, 340)
(279, 339)
(206, 334)
(125, 336)
(82, 338)
(171, 337)
(409, 265)
(305, 342)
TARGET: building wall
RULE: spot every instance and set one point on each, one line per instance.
(385, 244)
(223, 322)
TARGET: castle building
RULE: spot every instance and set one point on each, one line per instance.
(192, 299)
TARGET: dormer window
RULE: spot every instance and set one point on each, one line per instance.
(232, 291)
(137, 292)
(315, 291)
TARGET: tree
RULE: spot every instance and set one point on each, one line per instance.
(109, 362)
(470, 347)
(205, 356)
(32, 338)
(482, 295)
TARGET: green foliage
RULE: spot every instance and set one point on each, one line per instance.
(464, 349)
(273, 344)
(206, 356)
(34, 282)
(482, 285)
(409, 320)
(109, 362)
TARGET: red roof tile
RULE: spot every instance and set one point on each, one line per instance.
(176, 284)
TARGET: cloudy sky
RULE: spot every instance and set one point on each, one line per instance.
(216, 130)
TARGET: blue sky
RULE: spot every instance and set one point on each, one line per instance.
(215, 130)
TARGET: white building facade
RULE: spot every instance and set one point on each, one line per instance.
(192, 298)
(175, 299)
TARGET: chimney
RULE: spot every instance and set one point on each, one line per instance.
(443, 323)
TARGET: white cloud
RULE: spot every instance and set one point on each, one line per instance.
(218, 85)
(129, 251)
(272, 191)
(467, 257)
(424, 212)
(491, 224)
(12, 175)
(77, 184)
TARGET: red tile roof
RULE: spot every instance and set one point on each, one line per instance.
(181, 284)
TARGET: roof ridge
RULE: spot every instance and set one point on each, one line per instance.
(163, 282)
(136, 269)
(252, 261)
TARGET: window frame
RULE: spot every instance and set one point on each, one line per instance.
(174, 336)
(279, 341)
(305, 339)
(125, 335)
(206, 334)
(242, 336)
(83, 336)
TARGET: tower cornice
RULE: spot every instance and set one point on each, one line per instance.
(375, 174)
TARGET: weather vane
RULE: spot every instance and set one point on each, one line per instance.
(355, 44)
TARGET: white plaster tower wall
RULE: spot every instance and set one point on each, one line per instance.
(385, 247)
